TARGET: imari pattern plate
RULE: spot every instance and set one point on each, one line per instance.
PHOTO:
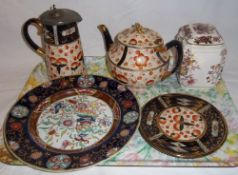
(71, 123)
(182, 126)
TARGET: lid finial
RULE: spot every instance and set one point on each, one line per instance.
(139, 27)
(53, 7)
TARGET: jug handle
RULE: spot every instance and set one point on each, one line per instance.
(37, 23)
(179, 58)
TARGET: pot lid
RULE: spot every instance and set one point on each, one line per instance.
(139, 36)
(59, 16)
(201, 34)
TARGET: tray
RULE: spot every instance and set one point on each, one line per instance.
(137, 152)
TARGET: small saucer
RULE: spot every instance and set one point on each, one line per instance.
(183, 126)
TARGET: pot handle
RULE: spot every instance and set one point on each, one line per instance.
(37, 23)
(179, 58)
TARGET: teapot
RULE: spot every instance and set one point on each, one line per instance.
(62, 49)
(139, 58)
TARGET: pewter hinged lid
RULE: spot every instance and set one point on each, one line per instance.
(56, 16)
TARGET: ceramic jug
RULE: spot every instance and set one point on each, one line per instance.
(204, 55)
(61, 45)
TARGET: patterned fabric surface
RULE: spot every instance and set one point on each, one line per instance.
(137, 152)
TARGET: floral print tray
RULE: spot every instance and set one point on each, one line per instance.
(137, 152)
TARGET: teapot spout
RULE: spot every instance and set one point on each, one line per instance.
(106, 36)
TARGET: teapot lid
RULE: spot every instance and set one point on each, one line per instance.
(140, 37)
(59, 16)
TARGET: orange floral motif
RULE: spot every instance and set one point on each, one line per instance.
(150, 82)
(140, 59)
(124, 133)
(126, 63)
(133, 41)
(36, 155)
(33, 98)
(127, 103)
(58, 63)
(85, 159)
(66, 47)
(181, 123)
(16, 126)
(119, 76)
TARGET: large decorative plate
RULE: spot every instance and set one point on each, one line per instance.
(72, 122)
(182, 126)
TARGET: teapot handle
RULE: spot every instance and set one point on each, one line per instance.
(179, 58)
(37, 23)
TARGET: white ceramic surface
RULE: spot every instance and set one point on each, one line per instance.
(64, 60)
(204, 55)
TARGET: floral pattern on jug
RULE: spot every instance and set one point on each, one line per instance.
(64, 59)
(188, 66)
(215, 73)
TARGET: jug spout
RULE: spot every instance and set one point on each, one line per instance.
(106, 36)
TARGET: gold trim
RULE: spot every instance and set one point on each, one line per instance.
(40, 52)
(38, 24)
(102, 28)
(139, 28)
(161, 48)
